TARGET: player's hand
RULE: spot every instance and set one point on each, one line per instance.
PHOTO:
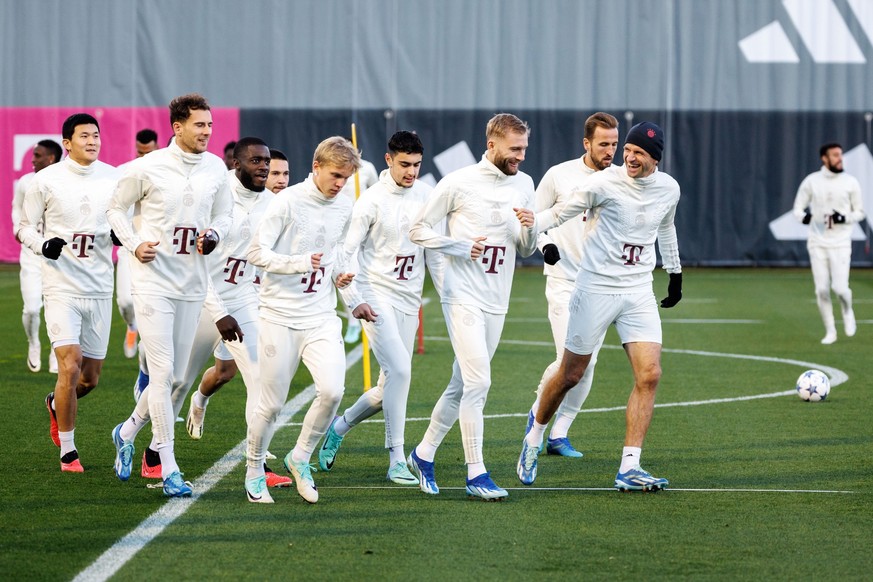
(838, 218)
(343, 280)
(207, 242)
(478, 248)
(551, 254)
(51, 249)
(316, 261)
(229, 329)
(674, 291)
(114, 238)
(146, 252)
(365, 312)
(525, 217)
(807, 217)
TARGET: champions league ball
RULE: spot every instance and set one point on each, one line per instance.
(813, 386)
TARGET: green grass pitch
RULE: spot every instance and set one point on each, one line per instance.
(760, 488)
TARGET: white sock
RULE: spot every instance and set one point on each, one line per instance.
(199, 400)
(535, 406)
(630, 458)
(561, 427)
(298, 456)
(396, 455)
(425, 451)
(475, 469)
(168, 459)
(535, 437)
(341, 427)
(132, 426)
(68, 445)
(254, 472)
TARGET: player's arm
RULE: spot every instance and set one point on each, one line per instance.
(569, 203)
(33, 210)
(802, 201)
(423, 230)
(668, 244)
(221, 218)
(856, 212)
(17, 204)
(277, 218)
(128, 191)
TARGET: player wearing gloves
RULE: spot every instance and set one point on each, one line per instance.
(70, 198)
(636, 206)
(829, 201)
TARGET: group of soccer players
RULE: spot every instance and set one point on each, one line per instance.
(221, 264)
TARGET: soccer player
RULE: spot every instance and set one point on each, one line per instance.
(388, 284)
(636, 205)
(280, 172)
(181, 190)
(70, 200)
(489, 221)
(829, 201)
(296, 246)
(233, 283)
(146, 141)
(45, 153)
(367, 176)
(562, 251)
(228, 154)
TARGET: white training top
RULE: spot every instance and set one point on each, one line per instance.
(556, 184)
(233, 279)
(18, 201)
(390, 265)
(180, 196)
(826, 192)
(478, 201)
(299, 222)
(71, 201)
(619, 254)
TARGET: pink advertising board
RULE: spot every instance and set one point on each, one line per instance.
(22, 127)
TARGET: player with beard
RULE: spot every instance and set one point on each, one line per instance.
(70, 199)
(488, 222)
(829, 201)
(185, 209)
(562, 249)
(44, 154)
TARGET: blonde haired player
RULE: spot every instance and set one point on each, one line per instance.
(296, 248)
(488, 222)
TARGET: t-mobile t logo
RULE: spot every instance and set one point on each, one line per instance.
(312, 281)
(631, 254)
(81, 244)
(185, 239)
(492, 257)
(403, 266)
(234, 268)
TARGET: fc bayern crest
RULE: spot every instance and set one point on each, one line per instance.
(85, 209)
(496, 217)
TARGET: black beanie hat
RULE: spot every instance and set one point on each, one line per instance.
(648, 136)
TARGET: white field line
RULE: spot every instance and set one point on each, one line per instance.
(111, 561)
(610, 489)
(127, 547)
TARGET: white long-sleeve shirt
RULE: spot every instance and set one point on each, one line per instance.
(299, 222)
(367, 176)
(233, 278)
(18, 201)
(70, 201)
(569, 237)
(391, 266)
(826, 192)
(180, 195)
(619, 254)
(478, 201)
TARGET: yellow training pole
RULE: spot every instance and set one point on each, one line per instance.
(365, 343)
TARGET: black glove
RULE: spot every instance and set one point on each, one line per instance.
(551, 255)
(807, 217)
(114, 238)
(838, 218)
(51, 249)
(209, 241)
(674, 291)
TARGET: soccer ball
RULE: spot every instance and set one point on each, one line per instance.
(813, 386)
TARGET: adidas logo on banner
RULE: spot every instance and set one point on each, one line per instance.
(822, 29)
